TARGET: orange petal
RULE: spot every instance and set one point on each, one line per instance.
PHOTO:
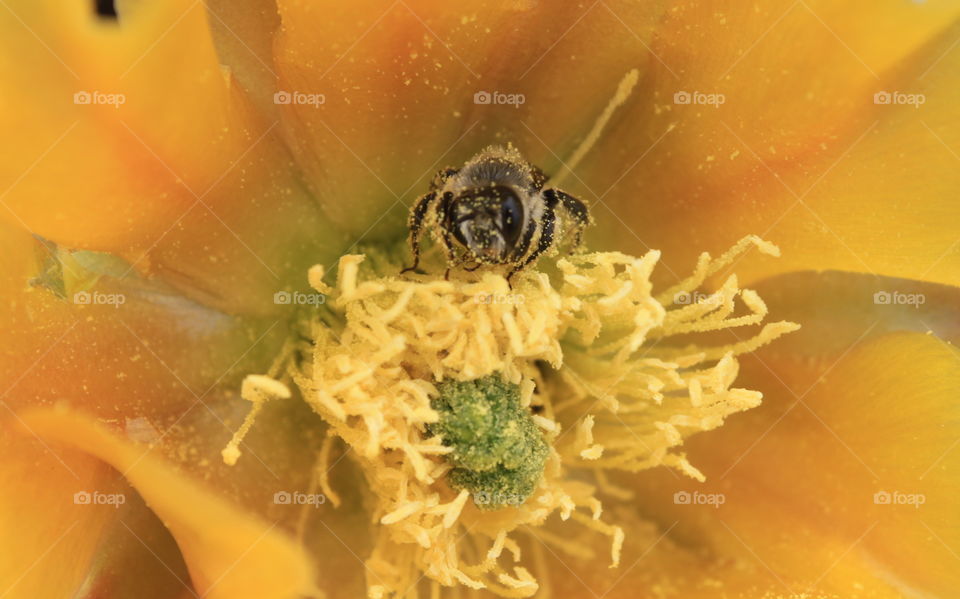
(166, 372)
(779, 477)
(41, 525)
(136, 556)
(798, 152)
(809, 474)
(148, 356)
(55, 542)
(229, 553)
(387, 91)
(840, 310)
(659, 561)
(160, 158)
(74, 151)
(279, 455)
(242, 32)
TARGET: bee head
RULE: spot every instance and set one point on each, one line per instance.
(487, 221)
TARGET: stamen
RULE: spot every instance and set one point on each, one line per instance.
(580, 354)
(624, 88)
(257, 389)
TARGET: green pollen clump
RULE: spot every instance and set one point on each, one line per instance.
(499, 453)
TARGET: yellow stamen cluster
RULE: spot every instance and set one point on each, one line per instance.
(597, 357)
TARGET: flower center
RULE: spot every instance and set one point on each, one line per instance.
(483, 415)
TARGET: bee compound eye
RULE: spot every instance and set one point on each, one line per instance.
(511, 217)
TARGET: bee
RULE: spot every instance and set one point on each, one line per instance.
(496, 210)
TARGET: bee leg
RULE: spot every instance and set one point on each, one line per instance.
(451, 254)
(439, 180)
(415, 224)
(546, 237)
(573, 207)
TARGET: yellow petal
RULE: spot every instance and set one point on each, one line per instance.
(229, 553)
(387, 90)
(166, 372)
(812, 476)
(242, 32)
(660, 561)
(134, 350)
(68, 521)
(70, 152)
(136, 555)
(129, 137)
(40, 525)
(798, 152)
(279, 454)
(839, 310)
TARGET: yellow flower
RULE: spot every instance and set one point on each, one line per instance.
(166, 172)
